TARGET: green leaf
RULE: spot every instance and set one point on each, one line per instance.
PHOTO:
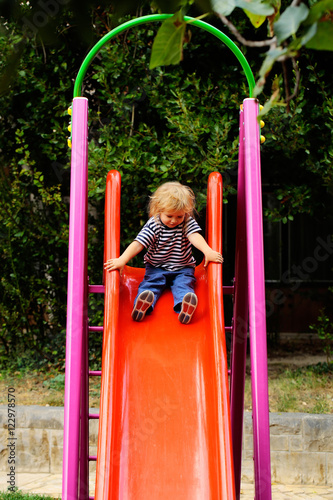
(318, 10)
(257, 7)
(168, 43)
(308, 35)
(272, 56)
(255, 19)
(223, 7)
(290, 21)
(323, 39)
(270, 59)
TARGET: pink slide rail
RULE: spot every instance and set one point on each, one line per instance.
(249, 298)
(75, 450)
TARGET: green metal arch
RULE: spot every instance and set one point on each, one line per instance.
(161, 17)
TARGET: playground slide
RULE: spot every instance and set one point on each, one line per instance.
(164, 430)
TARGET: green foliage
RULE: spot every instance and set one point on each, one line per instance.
(320, 18)
(292, 199)
(18, 495)
(58, 382)
(34, 216)
(150, 125)
(324, 328)
(168, 43)
(297, 155)
(32, 291)
(158, 126)
(322, 39)
(254, 6)
(322, 368)
(291, 28)
(290, 21)
(179, 122)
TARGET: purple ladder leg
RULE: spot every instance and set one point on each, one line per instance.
(77, 297)
(257, 304)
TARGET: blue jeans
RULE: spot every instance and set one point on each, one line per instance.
(158, 279)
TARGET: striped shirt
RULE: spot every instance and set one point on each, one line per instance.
(167, 247)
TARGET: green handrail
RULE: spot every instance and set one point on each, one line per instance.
(161, 17)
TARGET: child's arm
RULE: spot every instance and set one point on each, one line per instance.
(131, 251)
(200, 243)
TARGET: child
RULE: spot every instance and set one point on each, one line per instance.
(167, 237)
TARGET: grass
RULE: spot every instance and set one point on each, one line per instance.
(305, 390)
(18, 495)
(41, 388)
(308, 389)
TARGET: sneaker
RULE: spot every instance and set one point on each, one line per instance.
(143, 303)
(189, 305)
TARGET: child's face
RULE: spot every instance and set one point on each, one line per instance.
(172, 219)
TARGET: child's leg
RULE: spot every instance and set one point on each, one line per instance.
(183, 283)
(189, 305)
(142, 305)
(154, 281)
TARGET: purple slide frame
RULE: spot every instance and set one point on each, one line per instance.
(250, 298)
(75, 450)
(257, 302)
(249, 301)
(240, 319)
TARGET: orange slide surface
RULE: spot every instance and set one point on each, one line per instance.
(164, 429)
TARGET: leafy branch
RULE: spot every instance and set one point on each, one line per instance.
(292, 30)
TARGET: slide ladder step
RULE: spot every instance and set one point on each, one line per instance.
(228, 290)
(96, 289)
(93, 416)
(95, 328)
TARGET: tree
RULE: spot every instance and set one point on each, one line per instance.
(292, 29)
(151, 124)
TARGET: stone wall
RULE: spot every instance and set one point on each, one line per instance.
(301, 444)
(38, 438)
(301, 448)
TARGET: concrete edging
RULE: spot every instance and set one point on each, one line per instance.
(301, 444)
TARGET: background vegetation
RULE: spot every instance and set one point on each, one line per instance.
(152, 125)
(18, 495)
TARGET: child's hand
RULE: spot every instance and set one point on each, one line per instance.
(200, 243)
(213, 256)
(113, 264)
(131, 251)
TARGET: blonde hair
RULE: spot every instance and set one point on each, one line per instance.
(173, 197)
